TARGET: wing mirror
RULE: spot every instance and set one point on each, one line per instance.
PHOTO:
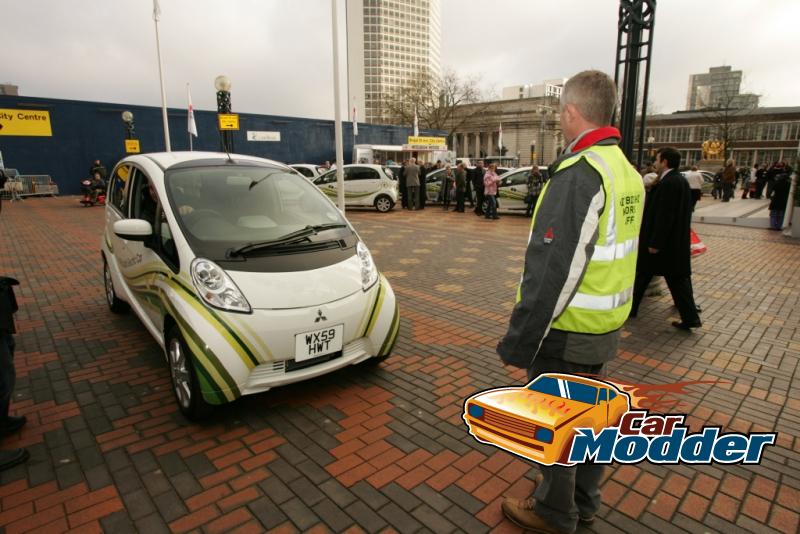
(133, 229)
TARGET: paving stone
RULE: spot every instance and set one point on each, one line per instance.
(268, 513)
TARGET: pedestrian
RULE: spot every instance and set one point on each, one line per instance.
(774, 171)
(424, 170)
(664, 242)
(728, 181)
(468, 194)
(98, 167)
(761, 180)
(461, 182)
(9, 424)
(695, 180)
(401, 179)
(716, 192)
(477, 185)
(534, 188)
(490, 181)
(412, 183)
(749, 181)
(579, 266)
(778, 200)
(447, 182)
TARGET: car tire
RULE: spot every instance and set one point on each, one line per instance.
(185, 385)
(383, 203)
(115, 304)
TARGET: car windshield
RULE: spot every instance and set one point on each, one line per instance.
(566, 389)
(232, 205)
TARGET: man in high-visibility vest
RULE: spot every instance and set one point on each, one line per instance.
(577, 284)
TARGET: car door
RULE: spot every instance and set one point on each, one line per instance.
(513, 189)
(327, 183)
(360, 185)
(433, 185)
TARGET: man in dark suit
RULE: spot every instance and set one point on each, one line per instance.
(477, 183)
(664, 247)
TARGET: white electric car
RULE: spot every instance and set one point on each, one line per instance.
(243, 271)
(364, 185)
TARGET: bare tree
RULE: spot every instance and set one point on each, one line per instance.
(436, 100)
(728, 118)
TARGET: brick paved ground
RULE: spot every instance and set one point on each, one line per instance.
(372, 449)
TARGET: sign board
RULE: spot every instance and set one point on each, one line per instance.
(264, 136)
(131, 146)
(228, 121)
(30, 122)
(421, 148)
(437, 141)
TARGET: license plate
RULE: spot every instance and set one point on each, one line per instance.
(318, 342)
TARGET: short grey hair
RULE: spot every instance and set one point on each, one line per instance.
(593, 93)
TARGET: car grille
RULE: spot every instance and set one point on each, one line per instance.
(507, 422)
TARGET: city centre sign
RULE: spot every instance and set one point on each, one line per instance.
(426, 141)
(28, 122)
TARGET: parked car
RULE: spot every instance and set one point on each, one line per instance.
(433, 182)
(364, 185)
(513, 188)
(243, 271)
(309, 170)
(708, 181)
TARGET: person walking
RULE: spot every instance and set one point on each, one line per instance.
(412, 183)
(534, 188)
(761, 181)
(695, 180)
(574, 294)
(477, 184)
(778, 200)
(461, 182)
(468, 190)
(447, 181)
(490, 181)
(728, 181)
(664, 243)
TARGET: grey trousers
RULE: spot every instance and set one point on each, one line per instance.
(565, 491)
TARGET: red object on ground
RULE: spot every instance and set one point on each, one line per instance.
(697, 246)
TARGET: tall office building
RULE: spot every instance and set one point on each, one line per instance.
(389, 44)
(550, 88)
(719, 87)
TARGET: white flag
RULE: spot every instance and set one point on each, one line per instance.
(500, 139)
(156, 11)
(192, 126)
(416, 123)
(355, 122)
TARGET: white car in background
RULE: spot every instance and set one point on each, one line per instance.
(364, 185)
(309, 170)
(246, 275)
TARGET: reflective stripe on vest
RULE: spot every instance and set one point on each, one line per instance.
(602, 302)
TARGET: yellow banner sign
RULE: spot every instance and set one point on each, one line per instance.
(228, 121)
(132, 146)
(440, 141)
(25, 122)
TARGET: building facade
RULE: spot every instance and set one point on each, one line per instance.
(763, 135)
(530, 126)
(720, 86)
(389, 44)
(551, 88)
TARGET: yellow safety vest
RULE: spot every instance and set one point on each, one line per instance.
(604, 296)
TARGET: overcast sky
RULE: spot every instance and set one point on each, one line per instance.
(278, 52)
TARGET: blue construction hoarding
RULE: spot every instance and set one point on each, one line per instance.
(85, 131)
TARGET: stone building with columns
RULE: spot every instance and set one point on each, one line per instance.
(530, 128)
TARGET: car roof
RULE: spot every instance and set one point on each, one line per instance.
(370, 165)
(166, 160)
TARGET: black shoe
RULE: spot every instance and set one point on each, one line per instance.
(12, 424)
(680, 325)
(698, 309)
(9, 459)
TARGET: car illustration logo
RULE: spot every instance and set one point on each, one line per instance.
(320, 317)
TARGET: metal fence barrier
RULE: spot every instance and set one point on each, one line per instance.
(26, 185)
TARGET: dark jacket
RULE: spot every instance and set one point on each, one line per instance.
(461, 179)
(100, 169)
(780, 193)
(476, 177)
(665, 226)
(8, 304)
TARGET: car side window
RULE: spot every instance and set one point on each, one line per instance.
(611, 395)
(361, 173)
(166, 242)
(143, 198)
(304, 171)
(602, 396)
(518, 178)
(118, 188)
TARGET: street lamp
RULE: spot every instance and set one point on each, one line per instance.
(543, 111)
(127, 118)
(223, 86)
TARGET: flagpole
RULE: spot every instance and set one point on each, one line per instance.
(337, 105)
(156, 15)
(189, 116)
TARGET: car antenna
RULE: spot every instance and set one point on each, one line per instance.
(230, 159)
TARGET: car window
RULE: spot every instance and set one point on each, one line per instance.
(304, 171)
(144, 198)
(435, 176)
(360, 173)
(566, 389)
(516, 178)
(118, 189)
(602, 396)
(167, 247)
(232, 205)
(327, 178)
(611, 394)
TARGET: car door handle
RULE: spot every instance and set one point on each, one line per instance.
(513, 188)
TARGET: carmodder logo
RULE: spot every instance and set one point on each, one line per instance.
(569, 419)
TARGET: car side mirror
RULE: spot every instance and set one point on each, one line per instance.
(133, 229)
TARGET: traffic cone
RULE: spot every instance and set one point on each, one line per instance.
(697, 246)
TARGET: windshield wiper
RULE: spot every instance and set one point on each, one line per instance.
(256, 182)
(288, 239)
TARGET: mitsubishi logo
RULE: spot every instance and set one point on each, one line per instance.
(320, 317)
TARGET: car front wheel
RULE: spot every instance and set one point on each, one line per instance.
(383, 203)
(184, 378)
(115, 304)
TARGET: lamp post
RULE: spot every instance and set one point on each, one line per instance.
(127, 118)
(650, 141)
(223, 86)
(543, 111)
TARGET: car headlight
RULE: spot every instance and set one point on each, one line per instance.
(475, 411)
(369, 273)
(216, 288)
(545, 435)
